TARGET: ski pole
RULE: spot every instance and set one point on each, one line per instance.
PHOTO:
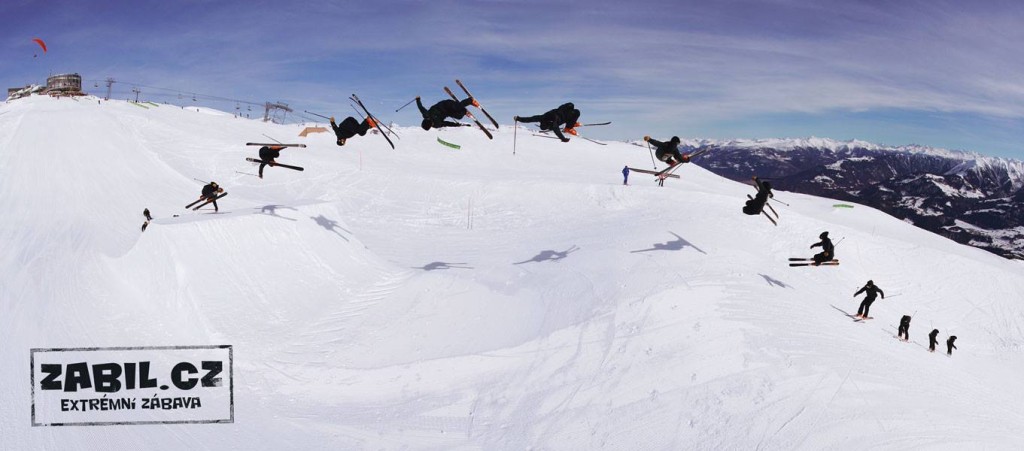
(407, 104)
(655, 165)
(315, 114)
(264, 134)
(515, 127)
(840, 241)
(193, 178)
(357, 111)
(779, 201)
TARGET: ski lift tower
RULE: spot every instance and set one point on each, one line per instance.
(279, 109)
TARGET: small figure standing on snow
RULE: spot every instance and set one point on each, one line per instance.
(145, 213)
(625, 175)
(827, 250)
(933, 339)
(351, 127)
(872, 292)
(267, 156)
(949, 345)
(210, 192)
(904, 330)
(756, 205)
(566, 114)
(436, 115)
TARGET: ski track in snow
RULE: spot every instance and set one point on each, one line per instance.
(432, 298)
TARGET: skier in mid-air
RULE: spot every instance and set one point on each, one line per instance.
(827, 250)
(872, 292)
(351, 127)
(904, 330)
(933, 339)
(668, 151)
(435, 116)
(267, 156)
(566, 114)
(949, 345)
(210, 192)
(756, 205)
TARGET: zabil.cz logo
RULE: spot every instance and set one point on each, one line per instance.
(132, 385)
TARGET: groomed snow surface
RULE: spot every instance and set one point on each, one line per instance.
(431, 298)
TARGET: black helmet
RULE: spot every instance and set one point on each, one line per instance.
(426, 124)
(675, 139)
(823, 235)
(871, 282)
(341, 141)
(570, 105)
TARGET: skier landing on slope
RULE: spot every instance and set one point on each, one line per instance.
(210, 192)
(827, 250)
(872, 292)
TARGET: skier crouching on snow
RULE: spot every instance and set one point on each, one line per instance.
(827, 250)
(436, 115)
(904, 329)
(267, 156)
(756, 205)
(566, 114)
(210, 192)
(351, 127)
(872, 292)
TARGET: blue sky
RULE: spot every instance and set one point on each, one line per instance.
(938, 73)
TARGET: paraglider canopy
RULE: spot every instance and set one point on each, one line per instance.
(41, 44)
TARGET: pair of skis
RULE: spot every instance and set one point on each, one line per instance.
(376, 122)
(766, 204)
(275, 164)
(201, 199)
(796, 261)
(545, 135)
(469, 114)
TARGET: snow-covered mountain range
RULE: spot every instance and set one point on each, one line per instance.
(967, 197)
(434, 298)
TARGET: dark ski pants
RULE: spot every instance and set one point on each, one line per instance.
(864, 306)
(264, 164)
(904, 332)
(824, 257)
(931, 345)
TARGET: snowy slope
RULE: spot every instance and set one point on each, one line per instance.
(474, 299)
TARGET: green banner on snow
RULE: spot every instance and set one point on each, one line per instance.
(842, 206)
(453, 146)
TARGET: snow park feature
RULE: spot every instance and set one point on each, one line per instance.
(576, 313)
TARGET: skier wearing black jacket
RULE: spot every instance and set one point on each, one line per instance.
(351, 127)
(566, 114)
(267, 155)
(949, 345)
(827, 250)
(210, 192)
(436, 115)
(668, 151)
(872, 292)
(755, 205)
(904, 330)
(933, 339)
